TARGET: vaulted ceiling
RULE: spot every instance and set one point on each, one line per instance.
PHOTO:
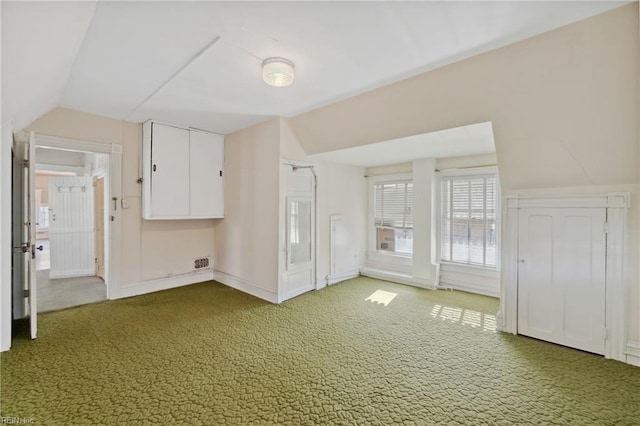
(199, 63)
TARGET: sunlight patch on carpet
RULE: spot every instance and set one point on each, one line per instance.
(467, 317)
(381, 297)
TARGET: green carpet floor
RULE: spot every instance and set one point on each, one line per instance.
(207, 354)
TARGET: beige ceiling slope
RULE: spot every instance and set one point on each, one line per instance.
(40, 42)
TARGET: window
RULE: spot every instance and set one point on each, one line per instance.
(393, 216)
(469, 219)
(43, 217)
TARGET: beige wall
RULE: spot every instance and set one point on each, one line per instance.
(563, 105)
(150, 249)
(342, 190)
(247, 238)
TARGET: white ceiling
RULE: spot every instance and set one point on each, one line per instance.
(198, 63)
(466, 140)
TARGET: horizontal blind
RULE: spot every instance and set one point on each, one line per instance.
(394, 204)
(468, 219)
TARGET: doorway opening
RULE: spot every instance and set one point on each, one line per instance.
(70, 200)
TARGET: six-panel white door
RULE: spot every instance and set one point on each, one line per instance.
(561, 276)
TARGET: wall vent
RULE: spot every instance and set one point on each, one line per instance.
(201, 263)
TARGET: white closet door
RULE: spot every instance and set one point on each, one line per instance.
(169, 171)
(207, 160)
(561, 276)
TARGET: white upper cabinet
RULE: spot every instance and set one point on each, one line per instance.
(182, 173)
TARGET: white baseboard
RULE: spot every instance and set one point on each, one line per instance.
(397, 277)
(632, 353)
(342, 277)
(245, 286)
(164, 283)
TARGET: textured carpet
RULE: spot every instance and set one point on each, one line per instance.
(207, 354)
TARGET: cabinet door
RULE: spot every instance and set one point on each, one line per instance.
(207, 161)
(169, 172)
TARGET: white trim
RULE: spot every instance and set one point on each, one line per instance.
(509, 270)
(610, 200)
(342, 277)
(245, 286)
(632, 353)
(6, 250)
(113, 188)
(616, 204)
(44, 167)
(46, 141)
(397, 277)
(615, 303)
(472, 171)
(165, 283)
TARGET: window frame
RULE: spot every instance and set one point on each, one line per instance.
(371, 225)
(488, 171)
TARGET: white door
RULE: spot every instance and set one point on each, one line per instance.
(561, 276)
(71, 226)
(29, 233)
(343, 259)
(299, 234)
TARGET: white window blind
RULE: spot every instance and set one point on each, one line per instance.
(394, 204)
(469, 219)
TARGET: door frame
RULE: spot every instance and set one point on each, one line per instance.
(616, 205)
(286, 167)
(6, 231)
(99, 204)
(113, 189)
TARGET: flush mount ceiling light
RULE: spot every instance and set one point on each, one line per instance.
(277, 72)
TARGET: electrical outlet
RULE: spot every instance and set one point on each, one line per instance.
(202, 263)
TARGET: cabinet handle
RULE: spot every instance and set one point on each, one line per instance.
(154, 167)
(220, 173)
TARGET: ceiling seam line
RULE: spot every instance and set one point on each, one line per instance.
(175, 74)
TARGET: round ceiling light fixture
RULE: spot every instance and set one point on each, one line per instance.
(277, 72)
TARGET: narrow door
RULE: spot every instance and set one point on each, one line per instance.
(71, 226)
(299, 234)
(99, 221)
(561, 276)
